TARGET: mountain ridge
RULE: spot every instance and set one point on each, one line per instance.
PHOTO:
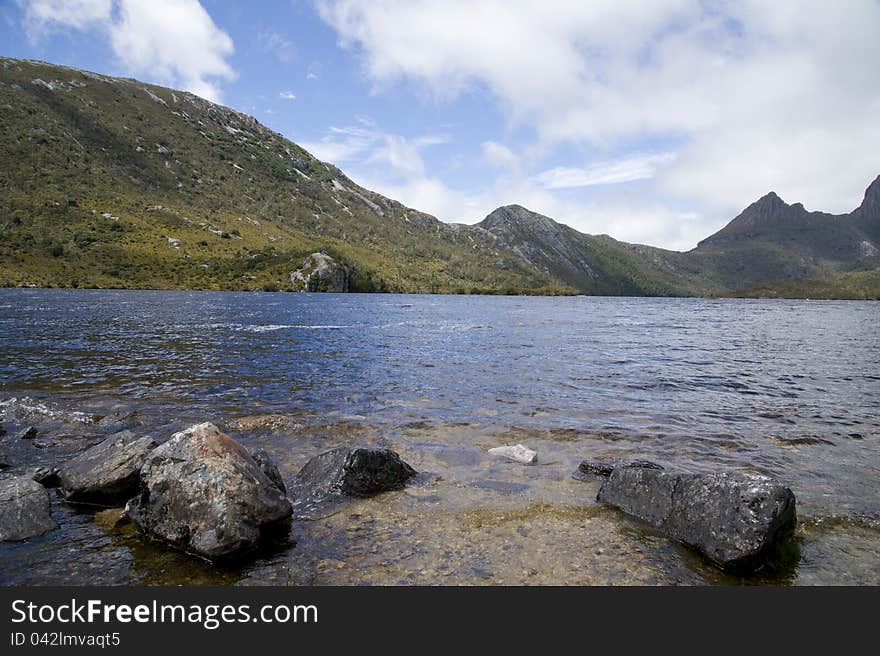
(112, 182)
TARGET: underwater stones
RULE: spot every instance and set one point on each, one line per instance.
(25, 509)
(735, 520)
(517, 452)
(204, 493)
(320, 273)
(344, 472)
(111, 519)
(264, 422)
(106, 474)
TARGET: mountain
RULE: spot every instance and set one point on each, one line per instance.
(594, 264)
(110, 182)
(774, 241)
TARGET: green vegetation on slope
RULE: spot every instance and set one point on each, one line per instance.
(856, 285)
(114, 183)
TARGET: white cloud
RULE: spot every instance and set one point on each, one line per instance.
(42, 14)
(759, 95)
(366, 144)
(172, 42)
(276, 45)
(629, 169)
(500, 156)
(287, 95)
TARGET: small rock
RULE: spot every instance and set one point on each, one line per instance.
(106, 474)
(736, 520)
(516, 452)
(25, 509)
(203, 492)
(28, 433)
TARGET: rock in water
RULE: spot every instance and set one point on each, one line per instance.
(204, 493)
(25, 509)
(107, 474)
(358, 472)
(734, 519)
(517, 452)
(604, 469)
(320, 273)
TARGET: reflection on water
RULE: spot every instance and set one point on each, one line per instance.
(787, 388)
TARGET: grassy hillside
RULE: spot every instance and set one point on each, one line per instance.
(114, 183)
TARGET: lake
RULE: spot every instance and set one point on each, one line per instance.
(785, 388)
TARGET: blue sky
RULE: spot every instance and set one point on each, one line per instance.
(654, 122)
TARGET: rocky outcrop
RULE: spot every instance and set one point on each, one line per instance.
(204, 493)
(736, 520)
(25, 509)
(320, 273)
(344, 472)
(107, 474)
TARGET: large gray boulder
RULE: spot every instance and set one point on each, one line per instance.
(204, 493)
(348, 472)
(320, 273)
(106, 474)
(25, 509)
(734, 519)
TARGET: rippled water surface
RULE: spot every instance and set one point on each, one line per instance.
(786, 388)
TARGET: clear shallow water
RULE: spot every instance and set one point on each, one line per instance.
(787, 388)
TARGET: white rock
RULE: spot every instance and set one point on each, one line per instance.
(516, 452)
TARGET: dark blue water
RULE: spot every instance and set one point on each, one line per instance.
(788, 388)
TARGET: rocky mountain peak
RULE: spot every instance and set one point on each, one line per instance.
(513, 216)
(871, 202)
(769, 202)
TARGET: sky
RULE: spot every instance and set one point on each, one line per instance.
(654, 122)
